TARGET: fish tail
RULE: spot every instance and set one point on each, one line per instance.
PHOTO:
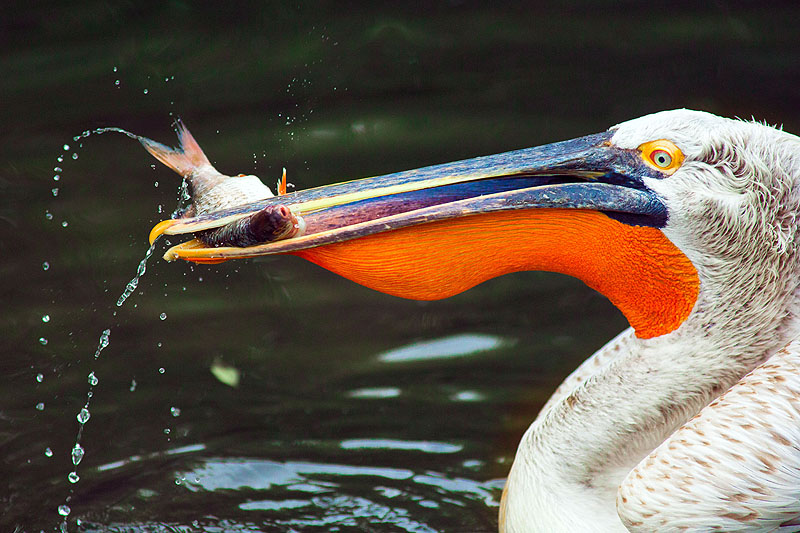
(184, 160)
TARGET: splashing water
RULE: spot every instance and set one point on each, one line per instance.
(77, 453)
(101, 345)
(133, 283)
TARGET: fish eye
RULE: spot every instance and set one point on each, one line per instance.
(662, 155)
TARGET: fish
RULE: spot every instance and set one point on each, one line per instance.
(211, 191)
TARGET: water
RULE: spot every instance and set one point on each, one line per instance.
(305, 402)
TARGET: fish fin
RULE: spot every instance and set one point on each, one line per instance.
(282, 184)
(184, 160)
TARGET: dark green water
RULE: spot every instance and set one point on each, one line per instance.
(354, 411)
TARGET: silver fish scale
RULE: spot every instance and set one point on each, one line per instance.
(229, 191)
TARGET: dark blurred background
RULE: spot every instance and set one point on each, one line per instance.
(267, 398)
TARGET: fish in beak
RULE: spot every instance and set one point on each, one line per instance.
(579, 207)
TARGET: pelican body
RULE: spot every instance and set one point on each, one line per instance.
(687, 421)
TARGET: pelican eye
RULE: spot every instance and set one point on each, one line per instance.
(662, 155)
(661, 158)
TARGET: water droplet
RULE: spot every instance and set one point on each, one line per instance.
(161, 370)
(83, 416)
(175, 411)
(39, 377)
(155, 184)
(45, 318)
(74, 155)
(45, 265)
(158, 344)
(178, 481)
(115, 69)
(66, 147)
(56, 177)
(93, 379)
(64, 510)
(77, 454)
(116, 82)
(73, 477)
(103, 343)
(40, 406)
(56, 169)
(48, 452)
(60, 159)
(133, 385)
(145, 91)
(42, 341)
(64, 224)
(54, 190)
(163, 316)
(167, 431)
(48, 215)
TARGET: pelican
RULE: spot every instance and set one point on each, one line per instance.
(687, 421)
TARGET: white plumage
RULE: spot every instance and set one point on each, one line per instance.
(697, 429)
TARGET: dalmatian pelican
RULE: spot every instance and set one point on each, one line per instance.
(688, 222)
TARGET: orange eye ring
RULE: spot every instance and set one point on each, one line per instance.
(662, 155)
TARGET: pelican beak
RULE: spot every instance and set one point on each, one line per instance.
(580, 207)
(587, 173)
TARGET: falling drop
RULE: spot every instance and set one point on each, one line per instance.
(133, 385)
(73, 477)
(45, 318)
(45, 265)
(77, 454)
(48, 452)
(39, 377)
(64, 224)
(74, 155)
(60, 159)
(163, 316)
(93, 381)
(48, 215)
(66, 147)
(104, 340)
(56, 169)
(176, 412)
(161, 370)
(83, 416)
(56, 177)
(40, 406)
(42, 341)
(64, 510)
(145, 91)
(54, 190)
(115, 69)
(116, 82)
